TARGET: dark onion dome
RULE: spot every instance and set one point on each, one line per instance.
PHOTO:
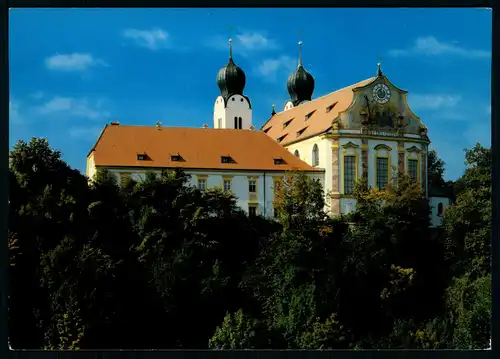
(300, 83)
(231, 79)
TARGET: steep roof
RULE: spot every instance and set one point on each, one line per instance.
(311, 118)
(198, 148)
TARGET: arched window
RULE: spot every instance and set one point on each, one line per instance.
(315, 155)
(440, 209)
(296, 153)
(240, 123)
(236, 122)
(220, 122)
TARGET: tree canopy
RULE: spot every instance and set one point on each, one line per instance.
(161, 264)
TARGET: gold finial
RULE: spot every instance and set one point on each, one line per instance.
(300, 53)
(230, 48)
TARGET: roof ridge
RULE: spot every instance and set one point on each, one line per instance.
(331, 93)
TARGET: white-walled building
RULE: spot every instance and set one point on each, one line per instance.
(246, 162)
(366, 130)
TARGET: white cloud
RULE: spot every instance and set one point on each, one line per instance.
(72, 62)
(425, 102)
(269, 68)
(430, 46)
(255, 41)
(85, 132)
(69, 106)
(152, 39)
(244, 42)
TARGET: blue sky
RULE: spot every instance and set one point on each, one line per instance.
(74, 70)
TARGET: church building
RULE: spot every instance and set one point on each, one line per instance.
(365, 130)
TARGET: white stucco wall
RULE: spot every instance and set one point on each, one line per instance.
(305, 149)
(436, 220)
(237, 106)
(239, 185)
(349, 204)
(90, 171)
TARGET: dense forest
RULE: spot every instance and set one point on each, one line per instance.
(160, 264)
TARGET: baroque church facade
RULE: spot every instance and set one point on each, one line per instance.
(366, 130)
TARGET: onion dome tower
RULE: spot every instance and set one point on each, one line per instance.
(232, 108)
(231, 79)
(300, 83)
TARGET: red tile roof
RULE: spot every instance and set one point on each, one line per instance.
(198, 148)
(311, 118)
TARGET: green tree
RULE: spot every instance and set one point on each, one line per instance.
(47, 203)
(467, 241)
(394, 263)
(294, 279)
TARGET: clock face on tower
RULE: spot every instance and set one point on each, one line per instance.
(381, 93)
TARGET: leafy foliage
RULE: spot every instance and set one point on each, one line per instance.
(160, 264)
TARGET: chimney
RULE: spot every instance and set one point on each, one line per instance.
(158, 124)
(252, 127)
(115, 123)
(205, 125)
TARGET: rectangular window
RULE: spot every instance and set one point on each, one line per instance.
(236, 122)
(202, 184)
(220, 122)
(252, 186)
(413, 169)
(382, 172)
(349, 174)
(252, 210)
(227, 185)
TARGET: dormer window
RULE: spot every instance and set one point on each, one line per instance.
(279, 161)
(226, 159)
(308, 116)
(267, 129)
(279, 139)
(300, 132)
(329, 108)
(287, 123)
(175, 158)
(141, 157)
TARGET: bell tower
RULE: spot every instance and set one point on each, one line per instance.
(232, 109)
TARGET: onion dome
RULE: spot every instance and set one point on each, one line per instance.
(231, 79)
(300, 84)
